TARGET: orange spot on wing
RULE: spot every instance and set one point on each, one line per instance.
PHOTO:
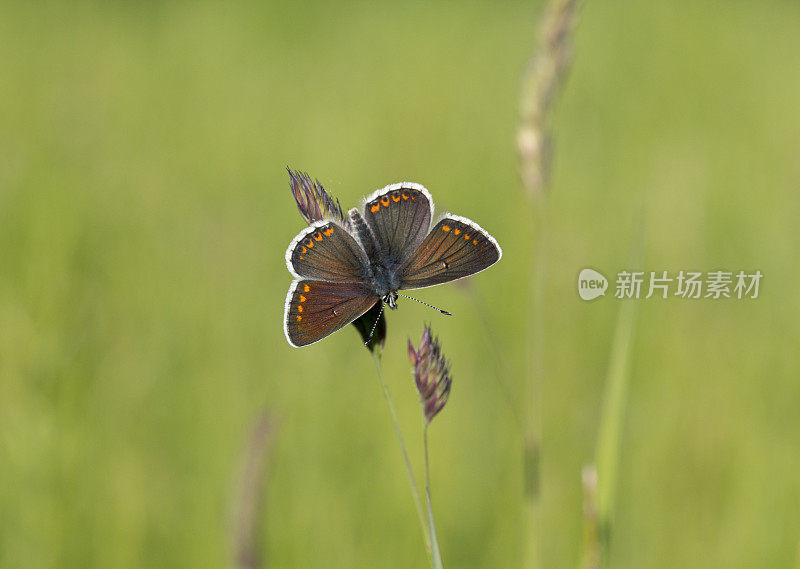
(310, 243)
(301, 257)
(466, 237)
(405, 196)
(474, 241)
(306, 288)
(299, 318)
(396, 198)
(303, 298)
(385, 201)
(299, 309)
(375, 208)
(303, 252)
(318, 236)
(445, 228)
(457, 231)
(328, 232)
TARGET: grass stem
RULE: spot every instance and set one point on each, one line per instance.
(542, 82)
(401, 441)
(436, 555)
(610, 429)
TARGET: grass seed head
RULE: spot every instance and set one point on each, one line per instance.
(431, 374)
(313, 201)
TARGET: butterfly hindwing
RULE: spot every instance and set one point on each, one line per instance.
(326, 251)
(456, 247)
(399, 217)
(315, 309)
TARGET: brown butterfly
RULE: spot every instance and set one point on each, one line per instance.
(341, 270)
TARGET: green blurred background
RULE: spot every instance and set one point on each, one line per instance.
(144, 214)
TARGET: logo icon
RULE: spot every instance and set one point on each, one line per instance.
(591, 284)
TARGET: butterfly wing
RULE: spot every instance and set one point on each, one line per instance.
(399, 217)
(315, 309)
(455, 248)
(326, 251)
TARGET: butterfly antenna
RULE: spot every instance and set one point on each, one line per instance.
(426, 304)
(371, 332)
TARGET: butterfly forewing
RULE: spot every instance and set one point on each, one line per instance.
(315, 309)
(326, 251)
(456, 247)
(400, 217)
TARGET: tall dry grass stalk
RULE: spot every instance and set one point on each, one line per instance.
(543, 80)
(248, 515)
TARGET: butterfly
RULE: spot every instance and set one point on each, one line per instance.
(342, 270)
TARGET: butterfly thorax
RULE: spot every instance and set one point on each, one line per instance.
(385, 278)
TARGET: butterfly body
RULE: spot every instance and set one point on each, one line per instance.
(343, 268)
(385, 278)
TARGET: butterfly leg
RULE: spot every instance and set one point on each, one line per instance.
(391, 299)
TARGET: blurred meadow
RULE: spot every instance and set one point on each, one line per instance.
(144, 215)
